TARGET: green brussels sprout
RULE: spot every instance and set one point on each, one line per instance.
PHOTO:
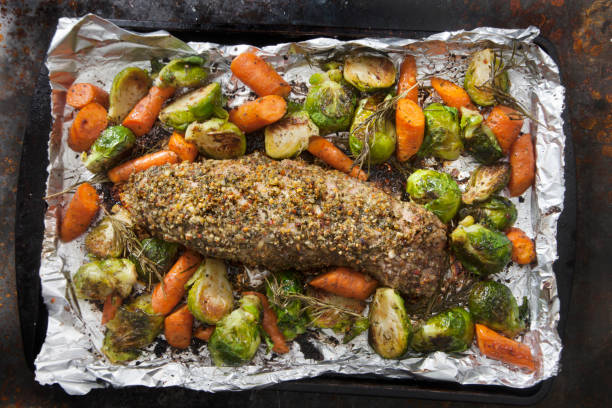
(381, 133)
(492, 304)
(101, 241)
(217, 138)
(289, 136)
(359, 326)
(290, 318)
(188, 72)
(210, 297)
(479, 77)
(479, 139)
(109, 147)
(368, 72)
(497, 213)
(330, 318)
(116, 356)
(486, 181)
(390, 328)
(330, 102)
(436, 191)
(481, 251)
(237, 336)
(129, 86)
(96, 280)
(451, 331)
(442, 138)
(197, 105)
(162, 253)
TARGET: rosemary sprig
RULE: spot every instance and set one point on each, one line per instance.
(97, 179)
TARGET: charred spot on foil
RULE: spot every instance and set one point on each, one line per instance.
(160, 347)
(307, 348)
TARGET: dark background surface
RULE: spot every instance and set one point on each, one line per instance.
(581, 32)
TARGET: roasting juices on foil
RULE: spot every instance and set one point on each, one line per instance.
(255, 261)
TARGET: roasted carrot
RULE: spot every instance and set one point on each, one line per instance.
(506, 124)
(330, 154)
(204, 333)
(269, 324)
(410, 128)
(167, 295)
(123, 171)
(87, 126)
(256, 114)
(522, 165)
(178, 327)
(258, 75)
(407, 79)
(80, 213)
(453, 95)
(501, 348)
(142, 116)
(345, 282)
(82, 94)
(523, 248)
(187, 151)
(111, 305)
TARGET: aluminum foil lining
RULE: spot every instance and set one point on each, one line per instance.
(91, 49)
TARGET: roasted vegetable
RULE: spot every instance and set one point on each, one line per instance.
(188, 72)
(197, 105)
(359, 326)
(96, 280)
(381, 133)
(496, 213)
(479, 140)
(290, 317)
(450, 331)
(368, 72)
(217, 138)
(237, 336)
(109, 147)
(330, 317)
(492, 304)
(390, 329)
(441, 133)
(485, 72)
(330, 102)
(481, 251)
(486, 181)
(436, 191)
(289, 136)
(161, 252)
(102, 241)
(129, 86)
(210, 297)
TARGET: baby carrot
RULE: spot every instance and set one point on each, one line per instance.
(256, 114)
(167, 295)
(410, 128)
(522, 165)
(123, 171)
(523, 248)
(87, 126)
(453, 95)
(142, 116)
(345, 282)
(258, 75)
(330, 154)
(80, 213)
(506, 124)
(82, 94)
(269, 324)
(498, 347)
(204, 333)
(407, 79)
(178, 327)
(111, 305)
(187, 151)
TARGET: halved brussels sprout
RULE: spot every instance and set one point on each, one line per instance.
(381, 133)
(129, 86)
(101, 240)
(449, 331)
(289, 136)
(197, 105)
(442, 138)
(480, 75)
(116, 356)
(162, 253)
(481, 251)
(368, 72)
(290, 318)
(479, 139)
(486, 181)
(109, 147)
(497, 213)
(492, 304)
(336, 320)
(390, 328)
(217, 138)
(359, 326)
(96, 280)
(436, 191)
(210, 297)
(330, 102)
(188, 72)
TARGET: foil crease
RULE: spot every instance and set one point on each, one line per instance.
(92, 49)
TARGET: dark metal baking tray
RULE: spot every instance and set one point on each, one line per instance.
(31, 208)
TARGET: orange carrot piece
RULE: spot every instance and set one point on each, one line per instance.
(345, 282)
(410, 128)
(256, 114)
(123, 171)
(82, 94)
(408, 79)
(330, 154)
(204, 333)
(178, 327)
(522, 165)
(111, 305)
(501, 348)
(87, 126)
(187, 151)
(142, 116)
(168, 295)
(453, 95)
(258, 75)
(523, 248)
(80, 213)
(506, 124)
(269, 324)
